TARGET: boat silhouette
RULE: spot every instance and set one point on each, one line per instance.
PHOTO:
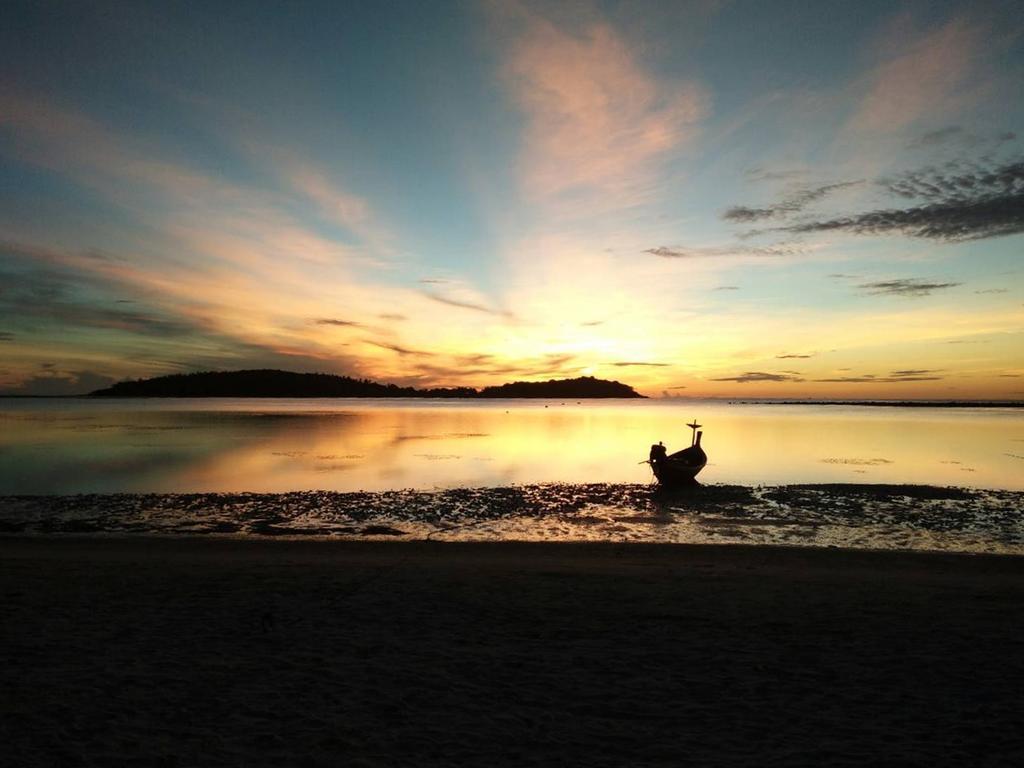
(681, 467)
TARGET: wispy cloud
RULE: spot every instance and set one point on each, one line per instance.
(953, 221)
(959, 137)
(52, 294)
(763, 174)
(759, 376)
(705, 252)
(920, 75)
(794, 203)
(650, 365)
(793, 357)
(936, 137)
(895, 377)
(336, 321)
(462, 304)
(337, 204)
(400, 350)
(60, 383)
(461, 367)
(597, 121)
(959, 201)
(910, 286)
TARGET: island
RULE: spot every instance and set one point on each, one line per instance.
(274, 383)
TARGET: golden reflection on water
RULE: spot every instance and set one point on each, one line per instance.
(266, 446)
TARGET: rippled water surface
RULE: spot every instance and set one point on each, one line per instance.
(197, 446)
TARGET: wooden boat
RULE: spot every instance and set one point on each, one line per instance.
(681, 467)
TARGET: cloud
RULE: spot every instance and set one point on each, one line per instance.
(335, 321)
(727, 288)
(904, 287)
(592, 323)
(920, 75)
(893, 378)
(475, 358)
(434, 281)
(994, 290)
(940, 136)
(392, 316)
(6, 336)
(960, 182)
(61, 384)
(955, 221)
(68, 300)
(704, 252)
(793, 357)
(477, 365)
(465, 304)
(597, 123)
(956, 134)
(757, 376)
(651, 365)
(974, 204)
(795, 203)
(337, 204)
(399, 349)
(74, 301)
(761, 174)
(229, 259)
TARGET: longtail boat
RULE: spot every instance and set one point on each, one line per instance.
(681, 467)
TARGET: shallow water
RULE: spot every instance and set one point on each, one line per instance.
(196, 446)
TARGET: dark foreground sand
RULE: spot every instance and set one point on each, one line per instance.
(224, 652)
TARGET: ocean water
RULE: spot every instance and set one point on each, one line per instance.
(71, 446)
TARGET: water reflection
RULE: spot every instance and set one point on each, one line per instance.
(77, 446)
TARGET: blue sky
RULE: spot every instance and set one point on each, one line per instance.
(704, 198)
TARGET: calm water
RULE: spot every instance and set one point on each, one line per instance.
(166, 446)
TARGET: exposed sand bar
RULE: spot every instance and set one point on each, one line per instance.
(253, 652)
(858, 516)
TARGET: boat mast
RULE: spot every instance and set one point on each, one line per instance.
(693, 437)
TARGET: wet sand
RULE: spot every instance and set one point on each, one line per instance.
(175, 652)
(850, 516)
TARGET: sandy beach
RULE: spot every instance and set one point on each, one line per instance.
(183, 651)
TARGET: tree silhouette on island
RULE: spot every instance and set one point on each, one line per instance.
(273, 383)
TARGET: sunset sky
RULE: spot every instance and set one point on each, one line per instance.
(812, 199)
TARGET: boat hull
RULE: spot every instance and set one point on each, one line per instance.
(680, 468)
